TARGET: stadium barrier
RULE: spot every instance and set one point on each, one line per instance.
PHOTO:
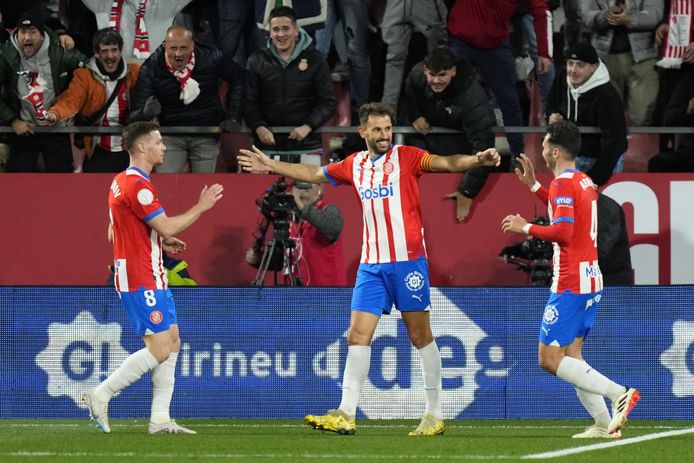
(279, 353)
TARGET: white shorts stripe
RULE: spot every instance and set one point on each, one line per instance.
(121, 275)
(159, 278)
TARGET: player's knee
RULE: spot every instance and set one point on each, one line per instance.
(161, 351)
(176, 344)
(356, 337)
(421, 338)
(547, 362)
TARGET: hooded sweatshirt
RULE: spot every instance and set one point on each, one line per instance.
(41, 83)
(595, 103)
(302, 43)
(289, 92)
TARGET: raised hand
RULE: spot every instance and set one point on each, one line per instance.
(527, 174)
(210, 196)
(489, 157)
(254, 161)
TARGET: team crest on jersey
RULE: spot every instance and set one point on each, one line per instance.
(145, 197)
(414, 281)
(388, 168)
(551, 314)
(156, 317)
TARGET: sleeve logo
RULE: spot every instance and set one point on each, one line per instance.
(145, 197)
(563, 201)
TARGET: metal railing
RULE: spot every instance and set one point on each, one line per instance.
(185, 130)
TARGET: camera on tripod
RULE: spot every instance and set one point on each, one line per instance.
(279, 254)
(533, 256)
(276, 202)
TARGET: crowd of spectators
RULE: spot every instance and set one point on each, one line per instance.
(458, 64)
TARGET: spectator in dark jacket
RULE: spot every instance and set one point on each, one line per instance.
(179, 84)
(288, 84)
(584, 95)
(614, 253)
(678, 112)
(443, 92)
(34, 69)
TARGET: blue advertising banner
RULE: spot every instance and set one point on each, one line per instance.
(279, 353)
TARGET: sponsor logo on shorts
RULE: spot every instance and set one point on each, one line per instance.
(551, 315)
(156, 317)
(414, 281)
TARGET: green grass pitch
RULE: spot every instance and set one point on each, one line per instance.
(375, 441)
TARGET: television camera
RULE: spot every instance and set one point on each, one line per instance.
(533, 256)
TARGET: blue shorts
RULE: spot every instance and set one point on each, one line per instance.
(568, 316)
(151, 311)
(403, 284)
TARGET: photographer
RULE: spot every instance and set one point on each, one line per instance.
(315, 230)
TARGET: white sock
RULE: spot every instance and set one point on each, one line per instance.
(132, 369)
(162, 389)
(356, 369)
(595, 405)
(431, 372)
(583, 376)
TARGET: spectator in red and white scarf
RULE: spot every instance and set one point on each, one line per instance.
(179, 84)
(33, 70)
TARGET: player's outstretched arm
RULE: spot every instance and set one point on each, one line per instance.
(464, 162)
(167, 227)
(256, 161)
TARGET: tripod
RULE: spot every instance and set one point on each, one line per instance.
(290, 263)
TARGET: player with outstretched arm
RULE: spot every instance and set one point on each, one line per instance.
(577, 282)
(140, 230)
(393, 268)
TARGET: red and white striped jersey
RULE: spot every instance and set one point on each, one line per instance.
(388, 190)
(137, 248)
(573, 205)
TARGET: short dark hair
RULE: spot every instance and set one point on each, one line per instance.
(282, 12)
(376, 109)
(440, 59)
(107, 36)
(565, 134)
(135, 130)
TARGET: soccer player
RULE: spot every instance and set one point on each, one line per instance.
(140, 230)
(577, 284)
(393, 268)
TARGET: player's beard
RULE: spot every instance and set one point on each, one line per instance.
(374, 148)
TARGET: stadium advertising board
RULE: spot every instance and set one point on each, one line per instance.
(279, 353)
